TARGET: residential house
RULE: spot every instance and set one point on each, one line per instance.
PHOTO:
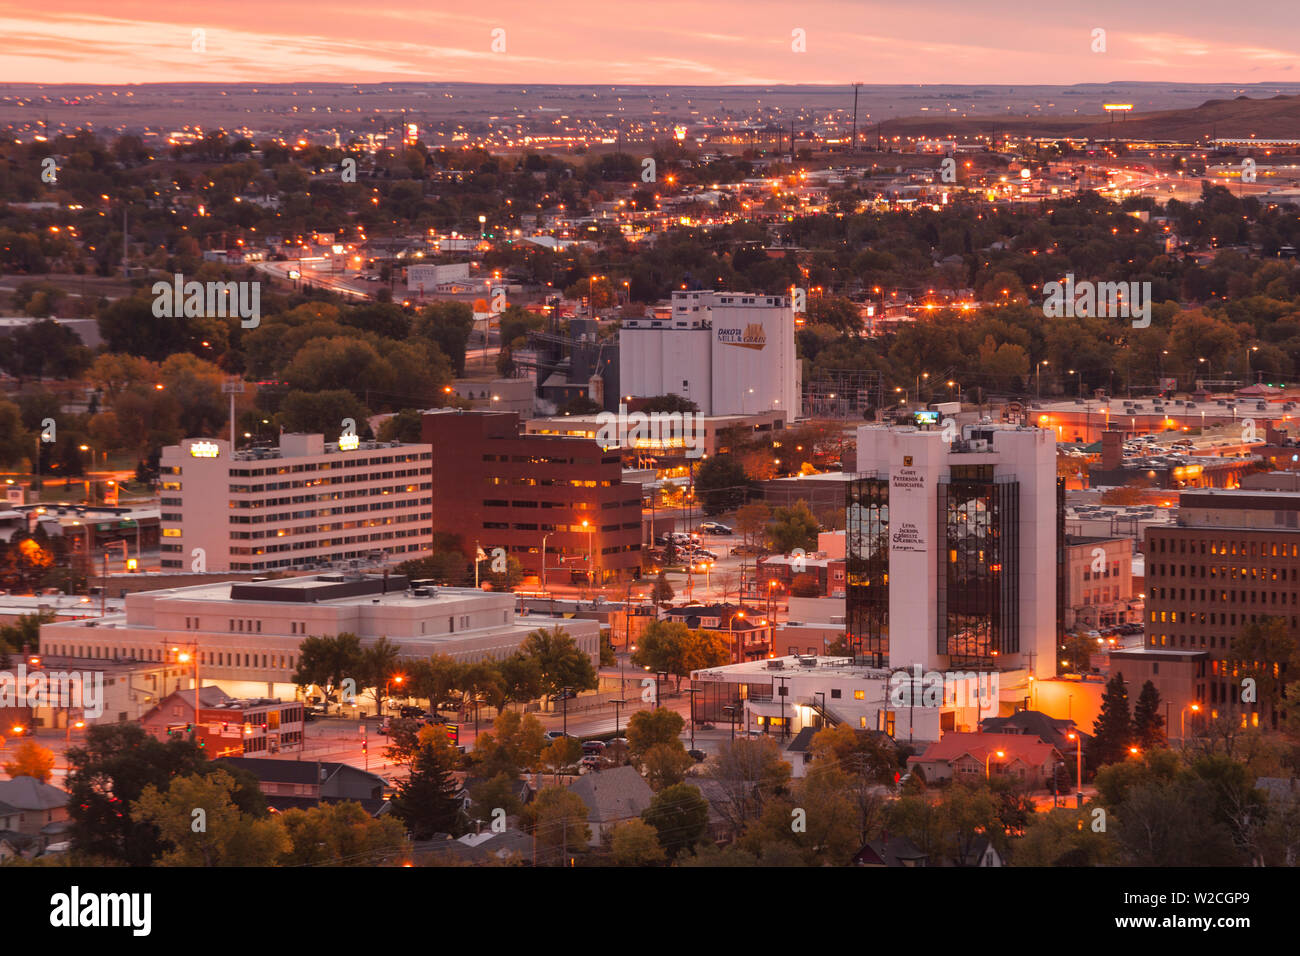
(972, 757)
(891, 851)
(308, 783)
(612, 796)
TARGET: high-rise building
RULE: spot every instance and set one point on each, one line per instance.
(306, 503)
(1231, 560)
(731, 353)
(953, 549)
(496, 488)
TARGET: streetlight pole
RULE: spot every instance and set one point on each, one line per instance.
(1182, 715)
(544, 537)
(618, 703)
(564, 695)
(1000, 754)
(1077, 737)
(693, 691)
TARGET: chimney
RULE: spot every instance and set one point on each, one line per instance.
(1112, 449)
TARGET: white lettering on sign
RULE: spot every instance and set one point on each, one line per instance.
(204, 449)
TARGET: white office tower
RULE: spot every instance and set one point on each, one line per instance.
(732, 353)
(952, 548)
(307, 503)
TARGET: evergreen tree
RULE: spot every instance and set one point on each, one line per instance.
(1148, 725)
(1113, 731)
(662, 592)
(425, 802)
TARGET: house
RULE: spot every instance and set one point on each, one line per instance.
(973, 757)
(980, 853)
(28, 806)
(1050, 730)
(890, 851)
(228, 726)
(287, 784)
(612, 796)
(490, 846)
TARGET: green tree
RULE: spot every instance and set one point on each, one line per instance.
(662, 591)
(747, 773)
(492, 794)
(1113, 731)
(112, 770)
(1265, 652)
(515, 743)
(680, 815)
(327, 661)
(721, 484)
(557, 818)
(379, 670)
(794, 527)
(447, 325)
(561, 662)
(201, 825)
(425, 801)
(341, 834)
(649, 727)
(664, 764)
(560, 753)
(635, 843)
(1148, 724)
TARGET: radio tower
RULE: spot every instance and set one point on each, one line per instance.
(855, 116)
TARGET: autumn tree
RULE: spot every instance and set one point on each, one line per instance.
(200, 824)
(31, 760)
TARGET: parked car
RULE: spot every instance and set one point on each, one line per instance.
(699, 755)
(556, 734)
(715, 527)
(595, 747)
(592, 762)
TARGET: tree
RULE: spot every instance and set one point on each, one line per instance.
(1062, 837)
(794, 527)
(495, 793)
(748, 772)
(111, 771)
(1113, 731)
(426, 800)
(557, 818)
(856, 752)
(721, 484)
(515, 743)
(328, 661)
(447, 325)
(818, 821)
(665, 764)
(378, 670)
(635, 843)
(752, 521)
(680, 815)
(561, 662)
(560, 753)
(340, 834)
(31, 760)
(1265, 651)
(662, 592)
(650, 727)
(673, 647)
(1148, 724)
(198, 819)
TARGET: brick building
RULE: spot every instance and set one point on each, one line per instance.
(498, 488)
(1232, 559)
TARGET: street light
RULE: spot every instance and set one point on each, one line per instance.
(1253, 348)
(393, 679)
(731, 630)
(1078, 771)
(1000, 754)
(1182, 714)
(1038, 378)
(618, 702)
(692, 691)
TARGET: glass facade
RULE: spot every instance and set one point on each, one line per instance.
(867, 569)
(979, 584)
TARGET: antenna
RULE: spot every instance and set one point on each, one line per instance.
(856, 86)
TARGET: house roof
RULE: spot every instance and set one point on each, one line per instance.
(28, 793)
(954, 746)
(296, 771)
(615, 794)
(802, 742)
(891, 851)
(1047, 729)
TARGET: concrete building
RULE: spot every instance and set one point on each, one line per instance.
(304, 504)
(1232, 560)
(523, 493)
(732, 353)
(1099, 582)
(228, 726)
(953, 557)
(246, 636)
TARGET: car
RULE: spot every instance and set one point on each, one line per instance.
(556, 734)
(618, 742)
(699, 755)
(591, 747)
(592, 762)
(715, 527)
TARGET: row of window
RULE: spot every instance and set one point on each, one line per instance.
(330, 542)
(329, 465)
(1234, 573)
(327, 528)
(318, 482)
(273, 565)
(1222, 597)
(332, 496)
(1252, 549)
(551, 482)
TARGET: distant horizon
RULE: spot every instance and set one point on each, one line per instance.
(726, 43)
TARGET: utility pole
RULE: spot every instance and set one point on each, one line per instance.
(855, 117)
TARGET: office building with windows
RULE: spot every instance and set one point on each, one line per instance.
(953, 549)
(1231, 559)
(497, 488)
(307, 504)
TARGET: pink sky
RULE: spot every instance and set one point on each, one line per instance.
(649, 41)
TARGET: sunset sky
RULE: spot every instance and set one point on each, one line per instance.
(666, 41)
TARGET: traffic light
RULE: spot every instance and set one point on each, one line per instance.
(453, 733)
(189, 728)
(365, 746)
